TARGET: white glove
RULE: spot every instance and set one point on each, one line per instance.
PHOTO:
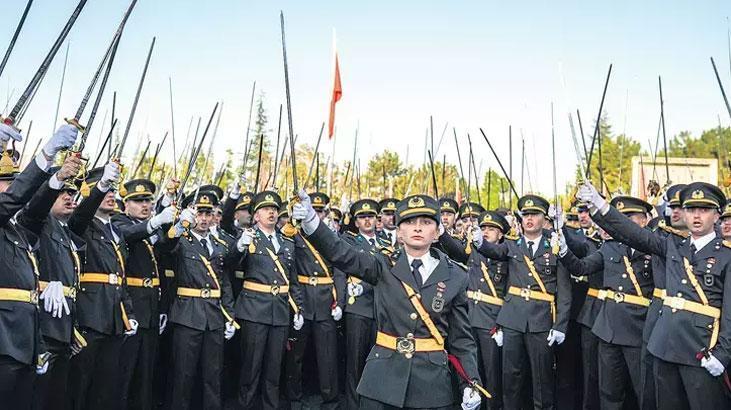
(556, 212)
(298, 321)
(355, 289)
(498, 338)
(713, 365)
(247, 237)
(41, 369)
(477, 238)
(187, 215)
(163, 322)
(587, 193)
(229, 331)
(8, 133)
(234, 189)
(111, 174)
(134, 325)
(470, 399)
(560, 241)
(303, 211)
(54, 302)
(554, 336)
(167, 216)
(337, 313)
(63, 138)
(166, 200)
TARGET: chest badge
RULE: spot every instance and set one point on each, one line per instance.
(437, 304)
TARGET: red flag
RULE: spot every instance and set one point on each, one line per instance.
(337, 93)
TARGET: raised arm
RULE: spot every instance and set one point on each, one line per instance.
(497, 251)
(585, 266)
(454, 248)
(563, 293)
(624, 230)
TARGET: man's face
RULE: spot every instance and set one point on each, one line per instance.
(469, 220)
(138, 208)
(639, 219)
(533, 224)
(64, 205)
(4, 185)
(458, 227)
(726, 228)
(388, 220)
(243, 217)
(366, 224)
(281, 221)
(418, 233)
(700, 221)
(448, 218)
(491, 234)
(379, 224)
(266, 217)
(107, 205)
(321, 213)
(217, 214)
(585, 219)
(677, 219)
(203, 219)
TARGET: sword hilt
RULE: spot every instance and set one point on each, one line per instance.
(75, 123)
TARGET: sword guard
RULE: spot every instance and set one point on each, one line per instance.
(75, 123)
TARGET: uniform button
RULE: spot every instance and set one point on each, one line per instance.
(624, 276)
(413, 316)
(418, 296)
(482, 279)
(410, 335)
(709, 266)
(620, 288)
(684, 281)
(679, 294)
(275, 282)
(710, 326)
(377, 355)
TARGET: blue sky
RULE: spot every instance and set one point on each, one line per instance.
(472, 64)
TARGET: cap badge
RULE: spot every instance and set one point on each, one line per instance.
(529, 202)
(416, 202)
(140, 188)
(697, 194)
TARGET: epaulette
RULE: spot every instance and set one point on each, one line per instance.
(572, 224)
(727, 244)
(287, 238)
(351, 233)
(219, 240)
(669, 229)
(512, 237)
(461, 265)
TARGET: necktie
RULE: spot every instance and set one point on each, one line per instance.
(108, 232)
(204, 244)
(274, 244)
(415, 265)
(372, 242)
(693, 249)
(530, 248)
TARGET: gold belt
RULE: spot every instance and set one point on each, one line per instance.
(93, 277)
(619, 297)
(478, 296)
(19, 295)
(68, 291)
(593, 292)
(143, 282)
(200, 293)
(314, 280)
(261, 288)
(528, 294)
(659, 293)
(408, 345)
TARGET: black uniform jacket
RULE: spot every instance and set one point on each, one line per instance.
(318, 299)
(679, 334)
(363, 304)
(532, 315)
(584, 308)
(617, 323)
(260, 267)
(424, 380)
(19, 332)
(482, 315)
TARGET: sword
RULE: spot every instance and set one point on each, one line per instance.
(15, 37)
(598, 119)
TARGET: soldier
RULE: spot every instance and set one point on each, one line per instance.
(625, 292)
(236, 215)
(200, 305)
(388, 215)
(690, 340)
(468, 214)
(283, 218)
(336, 217)
(421, 307)
(323, 291)
(270, 289)
(142, 231)
(485, 293)
(104, 308)
(20, 349)
(535, 314)
(726, 222)
(9, 168)
(360, 327)
(448, 211)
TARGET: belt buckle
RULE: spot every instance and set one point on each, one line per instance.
(34, 297)
(677, 303)
(618, 297)
(72, 293)
(312, 280)
(274, 290)
(525, 293)
(406, 346)
(147, 282)
(113, 279)
(205, 293)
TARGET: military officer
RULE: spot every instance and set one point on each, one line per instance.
(448, 210)
(726, 222)
(360, 328)
(421, 308)
(20, 349)
(142, 231)
(201, 306)
(625, 296)
(270, 290)
(336, 216)
(236, 214)
(388, 215)
(535, 314)
(323, 290)
(469, 212)
(691, 339)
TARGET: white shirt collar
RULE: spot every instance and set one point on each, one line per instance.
(429, 263)
(703, 240)
(209, 245)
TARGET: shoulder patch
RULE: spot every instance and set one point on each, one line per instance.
(287, 238)
(674, 231)
(727, 244)
(351, 233)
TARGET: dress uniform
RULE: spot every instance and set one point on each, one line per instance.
(323, 297)
(104, 309)
(624, 298)
(692, 331)
(536, 306)
(235, 208)
(421, 308)
(20, 338)
(143, 285)
(360, 326)
(270, 290)
(448, 210)
(200, 311)
(336, 216)
(470, 211)
(485, 293)
(387, 208)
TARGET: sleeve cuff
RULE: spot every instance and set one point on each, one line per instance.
(42, 162)
(54, 183)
